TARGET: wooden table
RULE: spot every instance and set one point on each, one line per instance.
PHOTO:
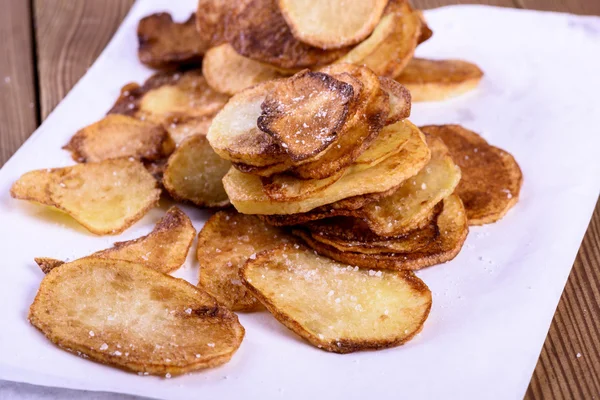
(47, 45)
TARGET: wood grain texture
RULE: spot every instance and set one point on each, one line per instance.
(70, 36)
(18, 111)
(586, 7)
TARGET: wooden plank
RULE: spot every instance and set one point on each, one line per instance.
(18, 113)
(589, 7)
(425, 4)
(67, 49)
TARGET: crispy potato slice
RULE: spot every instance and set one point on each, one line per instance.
(391, 46)
(212, 18)
(228, 72)
(260, 32)
(131, 317)
(194, 173)
(33, 186)
(451, 224)
(400, 100)
(337, 307)
(305, 112)
(181, 129)
(437, 80)
(426, 32)
(491, 177)
(163, 43)
(360, 129)
(234, 135)
(284, 187)
(390, 141)
(317, 23)
(117, 136)
(164, 249)
(246, 193)
(225, 243)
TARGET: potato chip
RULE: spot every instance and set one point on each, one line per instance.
(164, 249)
(426, 32)
(194, 173)
(131, 317)
(225, 243)
(437, 80)
(284, 187)
(391, 45)
(337, 307)
(163, 43)
(213, 16)
(260, 32)
(305, 112)
(117, 136)
(452, 227)
(33, 186)
(246, 193)
(228, 72)
(319, 23)
(399, 97)
(390, 141)
(491, 178)
(361, 128)
(181, 129)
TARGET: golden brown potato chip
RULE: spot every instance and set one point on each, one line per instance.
(105, 197)
(320, 23)
(426, 32)
(452, 227)
(164, 249)
(163, 43)
(436, 80)
(212, 17)
(337, 307)
(491, 178)
(391, 46)
(260, 32)
(246, 193)
(194, 173)
(234, 135)
(390, 141)
(361, 128)
(400, 101)
(181, 129)
(117, 136)
(284, 187)
(228, 72)
(305, 112)
(225, 243)
(131, 317)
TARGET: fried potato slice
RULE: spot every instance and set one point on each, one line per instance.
(225, 243)
(212, 18)
(194, 173)
(228, 72)
(181, 129)
(399, 97)
(164, 249)
(284, 187)
(317, 23)
(337, 307)
(390, 141)
(163, 43)
(117, 136)
(131, 317)
(33, 186)
(426, 32)
(246, 193)
(391, 45)
(260, 32)
(305, 112)
(367, 120)
(451, 224)
(234, 135)
(437, 80)
(491, 177)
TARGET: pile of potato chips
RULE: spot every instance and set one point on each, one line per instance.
(297, 118)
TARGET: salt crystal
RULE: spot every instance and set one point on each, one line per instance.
(578, 355)
(338, 300)
(168, 375)
(423, 186)
(198, 355)
(103, 347)
(211, 345)
(117, 353)
(92, 333)
(188, 311)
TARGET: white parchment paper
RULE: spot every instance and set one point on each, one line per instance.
(492, 305)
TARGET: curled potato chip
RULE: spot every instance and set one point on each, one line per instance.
(337, 307)
(390, 141)
(117, 136)
(105, 197)
(194, 173)
(212, 18)
(391, 45)
(225, 243)
(228, 72)
(436, 80)
(246, 191)
(163, 43)
(284, 187)
(491, 178)
(318, 22)
(400, 100)
(129, 316)
(358, 132)
(259, 31)
(164, 249)
(305, 112)
(452, 227)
